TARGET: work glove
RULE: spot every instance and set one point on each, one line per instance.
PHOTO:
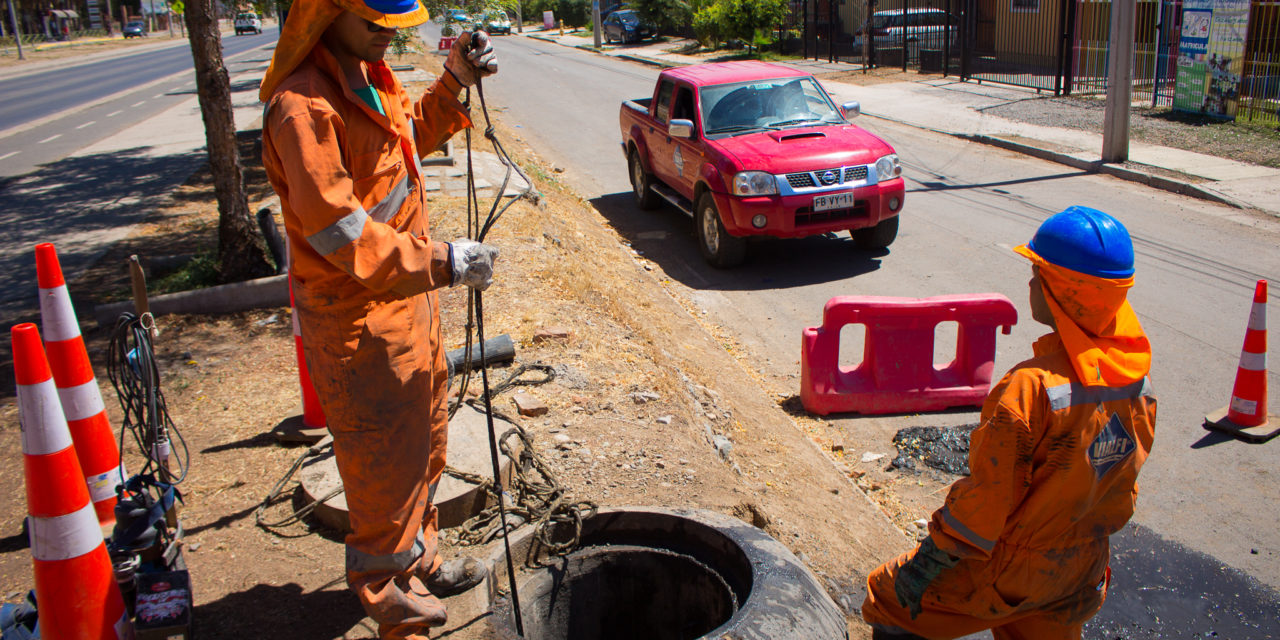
(471, 58)
(472, 263)
(916, 574)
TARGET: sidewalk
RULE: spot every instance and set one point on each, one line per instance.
(948, 106)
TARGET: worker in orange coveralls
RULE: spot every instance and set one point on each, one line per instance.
(1021, 544)
(341, 146)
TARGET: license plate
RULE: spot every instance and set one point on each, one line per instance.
(833, 201)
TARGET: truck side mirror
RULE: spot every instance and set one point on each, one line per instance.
(851, 109)
(680, 128)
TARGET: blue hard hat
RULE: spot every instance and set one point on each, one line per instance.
(392, 7)
(1085, 240)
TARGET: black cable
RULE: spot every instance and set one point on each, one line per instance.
(131, 366)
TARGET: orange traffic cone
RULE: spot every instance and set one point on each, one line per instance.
(310, 426)
(82, 405)
(76, 591)
(1246, 415)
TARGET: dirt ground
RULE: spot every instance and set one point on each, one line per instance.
(643, 388)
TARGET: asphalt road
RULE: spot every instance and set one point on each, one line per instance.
(1203, 553)
(48, 115)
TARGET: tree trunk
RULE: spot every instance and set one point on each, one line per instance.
(242, 253)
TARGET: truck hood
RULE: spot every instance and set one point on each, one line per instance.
(804, 148)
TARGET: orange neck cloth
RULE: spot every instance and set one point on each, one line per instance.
(1097, 327)
(307, 21)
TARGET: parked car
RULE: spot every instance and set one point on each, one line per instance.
(625, 26)
(496, 22)
(757, 149)
(248, 23)
(913, 29)
(135, 29)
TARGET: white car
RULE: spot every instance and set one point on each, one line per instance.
(915, 28)
(248, 23)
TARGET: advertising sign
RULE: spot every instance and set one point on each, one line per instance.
(1211, 56)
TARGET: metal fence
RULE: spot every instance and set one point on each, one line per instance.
(1259, 99)
(1060, 46)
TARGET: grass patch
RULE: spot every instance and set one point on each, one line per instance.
(199, 272)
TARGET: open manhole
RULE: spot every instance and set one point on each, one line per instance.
(645, 572)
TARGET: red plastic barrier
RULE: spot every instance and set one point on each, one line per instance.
(446, 43)
(897, 373)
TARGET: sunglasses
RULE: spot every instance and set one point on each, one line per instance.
(377, 28)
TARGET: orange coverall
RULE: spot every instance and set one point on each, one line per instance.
(364, 274)
(1053, 472)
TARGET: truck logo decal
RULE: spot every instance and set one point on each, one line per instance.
(828, 178)
(678, 158)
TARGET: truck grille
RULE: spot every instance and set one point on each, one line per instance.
(811, 179)
(806, 216)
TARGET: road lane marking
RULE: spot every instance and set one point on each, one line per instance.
(39, 122)
(114, 113)
(138, 104)
(9, 155)
(87, 124)
(158, 95)
(50, 138)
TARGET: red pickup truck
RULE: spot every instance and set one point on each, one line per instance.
(758, 149)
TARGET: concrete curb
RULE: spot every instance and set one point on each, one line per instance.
(1092, 166)
(272, 291)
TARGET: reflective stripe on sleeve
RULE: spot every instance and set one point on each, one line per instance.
(960, 527)
(339, 234)
(81, 401)
(1253, 361)
(361, 562)
(57, 316)
(38, 408)
(391, 204)
(1074, 393)
(65, 537)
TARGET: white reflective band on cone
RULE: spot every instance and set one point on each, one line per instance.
(39, 407)
(57, 316)
(1253, 361)
(65, 537)
(81, 401)
(124, 627)
(103, 485)
(1258, 317)
(297, 326)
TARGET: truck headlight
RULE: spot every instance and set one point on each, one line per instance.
(754, 183)
(888, 167)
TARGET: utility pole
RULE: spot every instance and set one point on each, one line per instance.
(1115, 121)
(595, 21)
(520, 16)
(17, 33)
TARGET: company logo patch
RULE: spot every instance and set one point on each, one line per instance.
(828, 178)
(1112, 445)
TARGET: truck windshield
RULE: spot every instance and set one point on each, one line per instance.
(766, 104)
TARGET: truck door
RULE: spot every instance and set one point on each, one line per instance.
(656, 137)
(686, 153)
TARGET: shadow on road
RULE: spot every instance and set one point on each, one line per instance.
(666, 236)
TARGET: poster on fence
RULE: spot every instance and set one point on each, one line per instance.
(1211, 56)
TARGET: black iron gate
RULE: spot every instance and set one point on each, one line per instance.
(1018, 42)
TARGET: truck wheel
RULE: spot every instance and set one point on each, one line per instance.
(720, 249)
(878, 237)
(642, 184)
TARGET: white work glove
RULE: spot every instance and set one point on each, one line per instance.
(469, 63)
(472, 263)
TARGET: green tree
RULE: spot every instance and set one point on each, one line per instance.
(708, 23)
(666, 15)
(744, 19)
